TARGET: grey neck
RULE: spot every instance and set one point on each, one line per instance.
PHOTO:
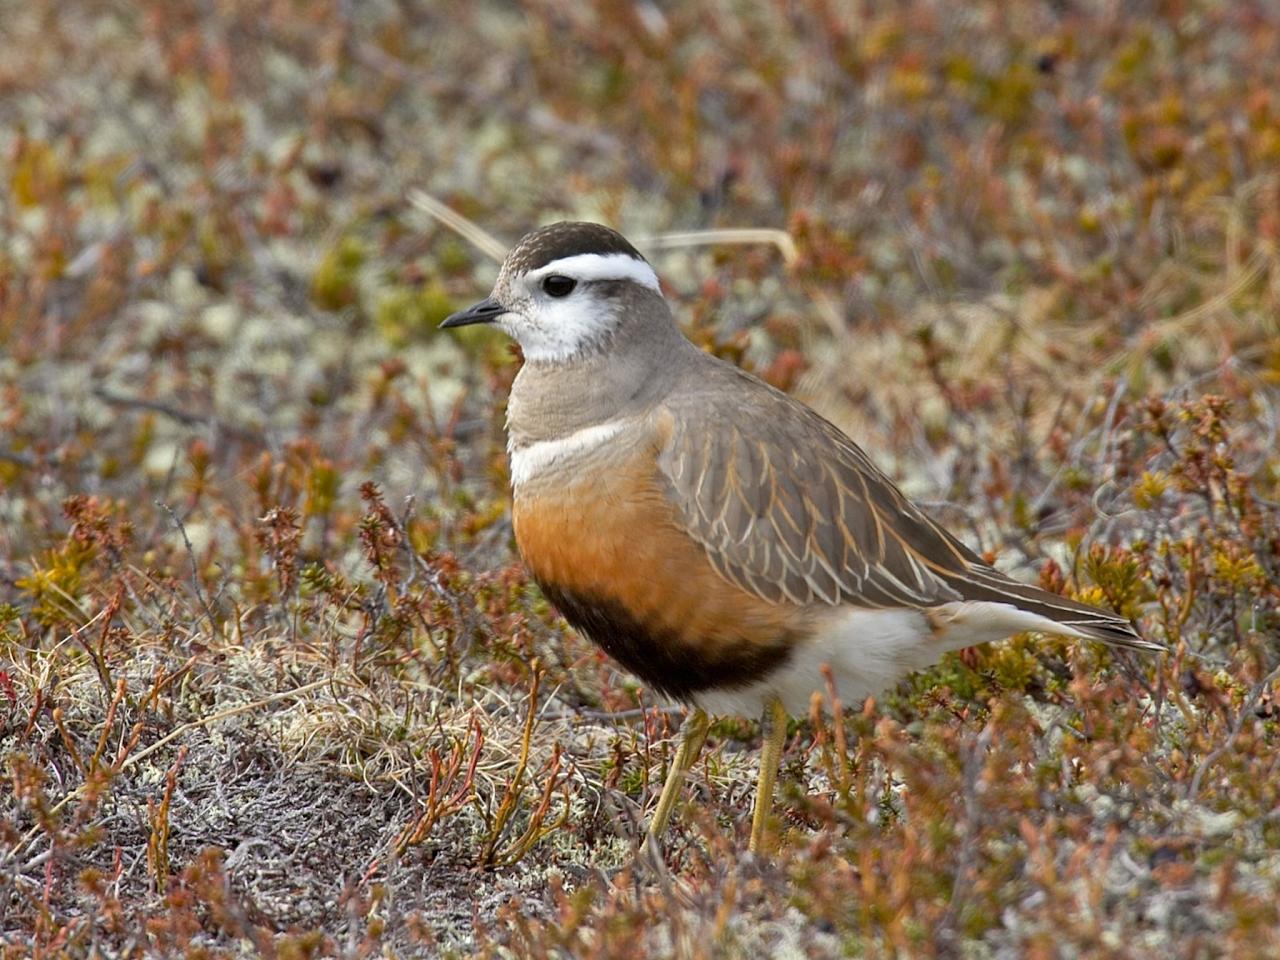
(626, 376)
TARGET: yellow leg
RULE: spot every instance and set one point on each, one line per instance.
(773, 730)
(693, 734)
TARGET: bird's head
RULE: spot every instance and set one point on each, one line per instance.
(566, 289)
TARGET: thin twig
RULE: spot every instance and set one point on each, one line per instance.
(628, 714)
(195, 570)
(17, 459)
(1254, 696)
(187, 418)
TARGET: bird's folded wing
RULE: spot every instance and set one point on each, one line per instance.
(790, 509)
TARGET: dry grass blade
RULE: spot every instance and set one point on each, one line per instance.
(1257, 265)
(490, 245)
(136, 758)
(784, 242)
(133, 759)
(480, 238)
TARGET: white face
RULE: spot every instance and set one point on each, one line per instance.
(551, 325)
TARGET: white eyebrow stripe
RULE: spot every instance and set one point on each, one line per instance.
(601, 266)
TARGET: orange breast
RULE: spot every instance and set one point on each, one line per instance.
(610, 555)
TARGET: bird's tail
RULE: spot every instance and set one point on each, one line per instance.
(1050, 613)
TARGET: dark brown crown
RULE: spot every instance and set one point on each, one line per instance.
(567, 238)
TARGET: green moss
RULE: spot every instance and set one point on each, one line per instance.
(453, 258)
(333, 285)
(405, 313)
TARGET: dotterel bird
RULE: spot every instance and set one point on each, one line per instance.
(717, 538)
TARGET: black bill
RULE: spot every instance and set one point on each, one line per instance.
(486, 311)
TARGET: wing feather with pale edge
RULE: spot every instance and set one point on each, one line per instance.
(791, 510)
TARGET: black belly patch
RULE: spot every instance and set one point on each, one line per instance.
(663, 659)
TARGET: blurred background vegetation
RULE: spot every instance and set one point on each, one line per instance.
(271, 678)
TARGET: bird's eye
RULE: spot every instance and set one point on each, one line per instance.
(558, 286)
